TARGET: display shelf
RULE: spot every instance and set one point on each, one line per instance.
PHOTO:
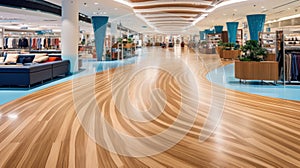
(239, 37)
(213, 39)
(292, 39)
(268, 41)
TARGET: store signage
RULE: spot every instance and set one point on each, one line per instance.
(44, 32)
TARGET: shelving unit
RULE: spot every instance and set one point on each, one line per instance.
(268, 41)
(213, 39)
(292, 40)
(239, 36)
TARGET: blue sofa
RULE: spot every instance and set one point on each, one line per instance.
(27, 74)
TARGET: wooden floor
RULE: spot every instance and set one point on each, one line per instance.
(45, 129)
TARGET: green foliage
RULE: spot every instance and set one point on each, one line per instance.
(228, 46)
(120, 40)
(220, 43)
(129, 40)
(252, 51)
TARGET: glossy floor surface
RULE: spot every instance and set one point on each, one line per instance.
(160, 111)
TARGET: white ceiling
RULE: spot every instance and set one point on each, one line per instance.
(120, 13)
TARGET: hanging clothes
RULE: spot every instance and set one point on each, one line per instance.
(15, 43)
(5, 43)
(49, 43)
(10, 43)
(294, 68)
(34, 43)
(288, 63)
(25, 43)
(298, 66)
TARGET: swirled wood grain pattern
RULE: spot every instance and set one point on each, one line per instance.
(42, 129)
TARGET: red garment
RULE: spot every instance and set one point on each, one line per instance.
(34, 43)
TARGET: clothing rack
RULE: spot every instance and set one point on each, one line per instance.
(290, 49)
(29, 35)
(19, 42)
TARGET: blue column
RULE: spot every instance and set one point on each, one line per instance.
(218, 29)
(99, 26)
(256, 24)
(202, 35)
(208, 31)
(232, 30)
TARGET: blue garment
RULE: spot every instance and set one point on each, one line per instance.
(294, 67)
(6, 43)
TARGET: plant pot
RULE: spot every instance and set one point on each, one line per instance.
(220, 51)
(271, 57)
(231, 54)
(252, 70)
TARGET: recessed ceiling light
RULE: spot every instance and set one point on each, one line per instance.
(116, 8)
(96, 3)
(262, 7)
(104, 12)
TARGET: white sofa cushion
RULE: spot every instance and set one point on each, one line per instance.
(38, 58)
(11, 58)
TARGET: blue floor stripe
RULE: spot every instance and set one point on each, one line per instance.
(224, 76)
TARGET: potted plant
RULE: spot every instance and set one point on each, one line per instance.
(219, 48)
(251, 65)
(119, 40)
(230, 52)
(228, 46)
(129, 40)
(252, 51)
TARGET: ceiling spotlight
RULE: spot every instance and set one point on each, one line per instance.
(96, 3)
(85, 4)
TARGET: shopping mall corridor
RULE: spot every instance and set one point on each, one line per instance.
(158, 112)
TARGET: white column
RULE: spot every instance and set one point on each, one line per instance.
(70, 33)
(2, 39)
